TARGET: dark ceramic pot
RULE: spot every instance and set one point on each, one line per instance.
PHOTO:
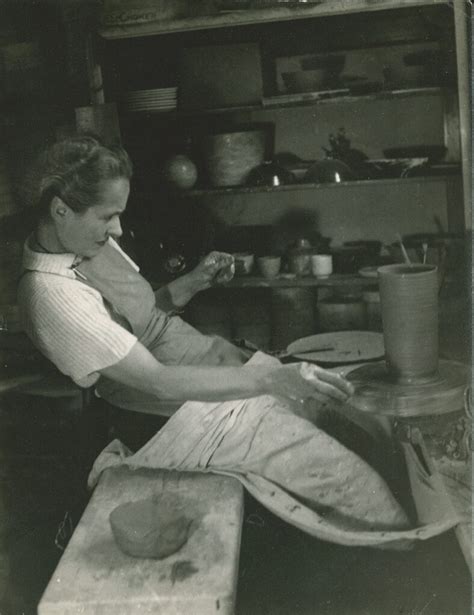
(329, 171)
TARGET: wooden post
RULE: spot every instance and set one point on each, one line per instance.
(461, 16)
(101, 120)
(79, 20)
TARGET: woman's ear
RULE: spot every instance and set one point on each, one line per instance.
(58, 209)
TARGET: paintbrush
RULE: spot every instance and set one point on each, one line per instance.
(424, 247)
(404, 252)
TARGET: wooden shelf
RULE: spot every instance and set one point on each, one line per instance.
(308, 99)
(333, 281)
(150, 22)
(302, 186)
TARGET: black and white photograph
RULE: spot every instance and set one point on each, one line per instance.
(236, 307)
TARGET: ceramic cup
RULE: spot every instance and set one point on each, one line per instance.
(269, 266)
(321, 265)
(409, 302)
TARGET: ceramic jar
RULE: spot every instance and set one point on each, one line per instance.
(229, 157)
(299, 258)
(180, 171)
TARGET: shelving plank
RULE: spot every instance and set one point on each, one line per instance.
(243, 17)
(310, 186)
(336, 280)
(333, 281)
(299, 100)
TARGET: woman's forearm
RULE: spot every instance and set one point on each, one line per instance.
(216, 267)
(176, 294)
(210, 383)
(140, 370)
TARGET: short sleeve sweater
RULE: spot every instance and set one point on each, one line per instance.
(67, 320)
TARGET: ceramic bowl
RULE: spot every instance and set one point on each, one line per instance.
(270, 174)
(329, 171)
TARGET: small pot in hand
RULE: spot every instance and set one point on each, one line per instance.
(244, 262)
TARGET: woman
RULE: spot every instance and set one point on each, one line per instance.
(87, 308)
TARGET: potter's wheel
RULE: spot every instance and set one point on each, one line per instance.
(377, 392)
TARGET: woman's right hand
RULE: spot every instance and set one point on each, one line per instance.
(300, 381)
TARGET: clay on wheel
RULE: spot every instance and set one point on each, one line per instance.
(149, 528)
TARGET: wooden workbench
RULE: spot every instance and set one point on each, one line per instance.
(94, 576)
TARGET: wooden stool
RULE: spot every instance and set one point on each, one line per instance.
(95, 576)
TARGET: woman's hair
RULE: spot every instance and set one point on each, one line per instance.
(73, 170)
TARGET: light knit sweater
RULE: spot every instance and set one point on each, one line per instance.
(67, 320)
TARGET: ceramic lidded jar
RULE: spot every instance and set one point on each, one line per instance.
(299, 257)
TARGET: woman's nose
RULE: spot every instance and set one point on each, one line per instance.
(115, 228)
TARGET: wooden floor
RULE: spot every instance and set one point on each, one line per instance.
(282, 570)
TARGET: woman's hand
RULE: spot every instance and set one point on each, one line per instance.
(215, 268)
(300, 381)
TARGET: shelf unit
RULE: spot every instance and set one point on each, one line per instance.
(119, 21)
(354, 204)
(149, 34)
(152, 25)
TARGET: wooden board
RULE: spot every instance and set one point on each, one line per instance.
(339, 347)
(122, 24)
(94, 576)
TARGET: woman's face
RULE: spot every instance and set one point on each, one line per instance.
(86, 233)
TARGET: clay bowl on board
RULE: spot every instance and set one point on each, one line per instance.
(150, 528)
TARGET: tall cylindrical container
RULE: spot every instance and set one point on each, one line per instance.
(409, 302)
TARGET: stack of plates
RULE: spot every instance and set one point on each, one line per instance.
(159, 99)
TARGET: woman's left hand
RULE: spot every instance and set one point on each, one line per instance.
(215, 268)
